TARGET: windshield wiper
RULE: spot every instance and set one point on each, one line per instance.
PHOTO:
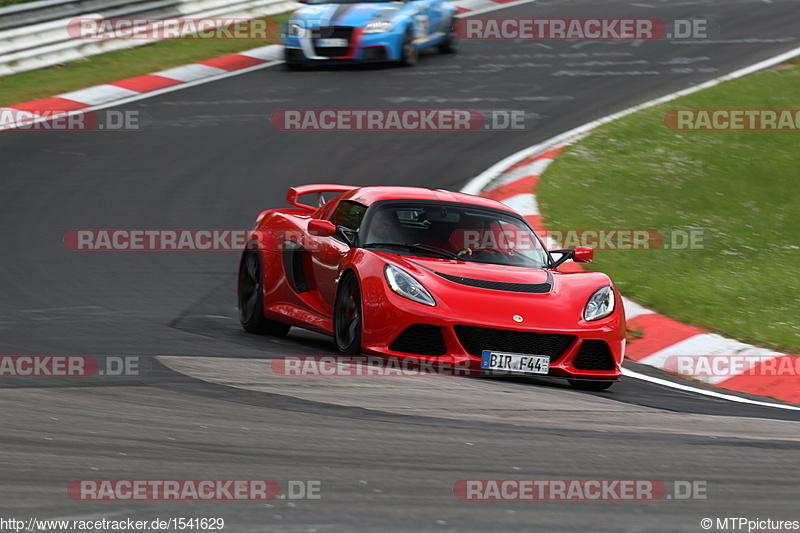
(435, 249)
(416, 246)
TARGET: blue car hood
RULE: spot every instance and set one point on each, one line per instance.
(355, 15)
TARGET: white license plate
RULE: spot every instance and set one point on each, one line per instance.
(514, 363)
(331, 43)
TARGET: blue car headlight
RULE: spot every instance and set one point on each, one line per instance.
(378, 26)
(600, 305)
(406, 286)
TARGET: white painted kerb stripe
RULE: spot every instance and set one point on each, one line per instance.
(524, 204)
(99, 94)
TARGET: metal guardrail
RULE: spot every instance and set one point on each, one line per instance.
(34, 35)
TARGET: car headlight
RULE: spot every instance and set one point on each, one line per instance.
(296, 30)
(600, 305)
(378, 26)
(406, 286)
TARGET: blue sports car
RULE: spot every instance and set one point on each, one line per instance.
(356, 31)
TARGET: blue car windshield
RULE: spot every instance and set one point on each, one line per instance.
(317, 2)
(453, 232)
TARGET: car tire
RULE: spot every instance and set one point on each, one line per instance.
(451, 43)
(250, 295)
(347, 317)
(590, 385)
(289, 64)
(410, 53)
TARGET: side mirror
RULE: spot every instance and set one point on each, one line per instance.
(321, 228)
(583, 254)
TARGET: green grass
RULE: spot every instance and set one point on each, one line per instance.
(741, 188)
(113, 66)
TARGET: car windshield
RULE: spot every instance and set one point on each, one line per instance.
(454, 232)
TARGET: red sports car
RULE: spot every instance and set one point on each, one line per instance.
(431, 275)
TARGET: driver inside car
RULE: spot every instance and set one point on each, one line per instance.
(385, 228)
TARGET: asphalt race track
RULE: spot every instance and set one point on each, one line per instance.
(385, 451)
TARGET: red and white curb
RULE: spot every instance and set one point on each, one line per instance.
(139, 87)
(513, 181)
(473, 7)
(661, 337)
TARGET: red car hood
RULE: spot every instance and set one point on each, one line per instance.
(482, 271)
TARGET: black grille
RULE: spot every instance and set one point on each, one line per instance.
(533, 288)
(420, 339)
(594, 355)
(475, 339)
(332, 32)
(294, 55)
(374, 53)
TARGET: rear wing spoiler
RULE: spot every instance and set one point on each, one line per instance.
(294, 193)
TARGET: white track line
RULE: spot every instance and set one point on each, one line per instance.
(658, 381)
(151, 94)
(222, 75)
(478, 183)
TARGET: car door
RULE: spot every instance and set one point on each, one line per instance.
(329, 252)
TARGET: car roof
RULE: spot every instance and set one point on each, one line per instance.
(373, 194)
